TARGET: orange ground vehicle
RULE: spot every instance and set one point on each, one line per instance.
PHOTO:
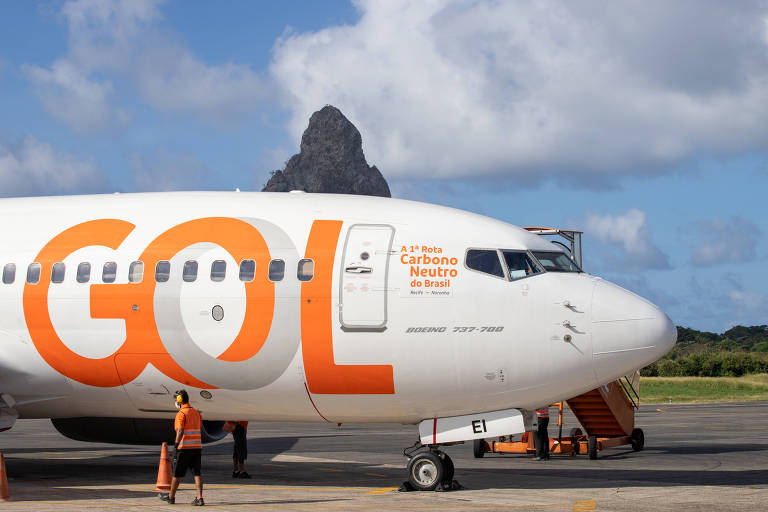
(607, 415)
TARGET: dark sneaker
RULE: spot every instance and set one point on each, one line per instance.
(244, 474)
(198, 502)
(235, 474)
(167, 499)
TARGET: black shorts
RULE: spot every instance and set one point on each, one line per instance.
(187, 459)
(241, 444)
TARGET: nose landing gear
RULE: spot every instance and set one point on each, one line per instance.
(429, 470)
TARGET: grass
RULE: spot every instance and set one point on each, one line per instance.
(655, 390)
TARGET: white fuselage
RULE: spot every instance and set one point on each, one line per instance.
(376, 316)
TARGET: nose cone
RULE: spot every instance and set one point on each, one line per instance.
(628, 332)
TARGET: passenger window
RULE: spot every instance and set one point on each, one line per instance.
(218, 270)
(190, 271)
(247, 270)
(485, 261)
(306, 270)
(57, 272)
(33, 273)
(519, 264)
(9, 273)
(83, 272)
(109, 272)
(162, 271)
(136, 272)
(276, 270)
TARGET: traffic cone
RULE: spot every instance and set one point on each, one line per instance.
(4, 494)
(164, 471)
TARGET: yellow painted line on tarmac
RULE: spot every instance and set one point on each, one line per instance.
(383, 490)
(377, 474)
(331, 469)
(275, 465)
(585, 506)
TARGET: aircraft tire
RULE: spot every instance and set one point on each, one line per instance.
(592, 447)
(448, 469)
(478, 448)
(637, 439)
(425, 471)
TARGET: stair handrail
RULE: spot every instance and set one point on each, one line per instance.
(629, 388)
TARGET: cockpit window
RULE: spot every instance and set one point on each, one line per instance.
(485, 261)
(520, 264)
(556, 261)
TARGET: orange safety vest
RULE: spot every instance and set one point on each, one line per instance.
(189, 421)
(230, 425)
(543, 412)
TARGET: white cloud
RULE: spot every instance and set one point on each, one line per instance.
(70, 96)
(716, 302)
(102, 37)
(748, 306)
(629, 234)
(724, 241)
(458, 88)
(164, 170)
(103, 33)
(174, 80)
(33, 168)
(118, 41)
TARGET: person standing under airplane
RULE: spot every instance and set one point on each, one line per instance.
(541, 437)
(189, 447)
(238, 429)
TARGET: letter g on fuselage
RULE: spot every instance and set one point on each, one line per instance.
(155, 331)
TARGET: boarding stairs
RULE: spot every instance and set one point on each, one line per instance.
(607, 414)
(610, 409)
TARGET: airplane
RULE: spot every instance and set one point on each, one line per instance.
(300, 307)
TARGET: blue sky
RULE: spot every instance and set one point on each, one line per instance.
(644, 125)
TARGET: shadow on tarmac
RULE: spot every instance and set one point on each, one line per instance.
(66, 493)
(278, 502)
(71, 480)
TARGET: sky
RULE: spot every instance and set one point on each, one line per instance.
(642, 124)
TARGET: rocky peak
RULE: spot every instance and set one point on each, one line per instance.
(331, 160)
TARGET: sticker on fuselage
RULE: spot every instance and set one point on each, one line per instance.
(430, 271)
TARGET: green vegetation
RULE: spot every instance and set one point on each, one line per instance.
(736, 352)
(656, 390)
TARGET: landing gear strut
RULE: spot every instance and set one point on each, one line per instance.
(429, 469)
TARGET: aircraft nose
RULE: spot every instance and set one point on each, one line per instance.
(628, 332)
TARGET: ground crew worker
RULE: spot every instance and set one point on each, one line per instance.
(541, 437)
(238, 429)
(189, 447)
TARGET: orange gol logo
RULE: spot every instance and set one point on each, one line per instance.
(135, 304)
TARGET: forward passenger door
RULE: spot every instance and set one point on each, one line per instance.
(364, 276)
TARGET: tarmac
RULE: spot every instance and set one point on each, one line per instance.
(696, 457)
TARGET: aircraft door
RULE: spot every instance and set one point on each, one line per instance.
(364, 274)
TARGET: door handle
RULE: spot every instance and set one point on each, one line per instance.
(358, 270)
